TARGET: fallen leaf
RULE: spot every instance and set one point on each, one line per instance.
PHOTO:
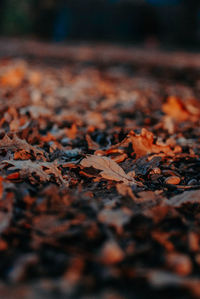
(125, 190)
(19, 144)
(143, 144)
(181, 110)
(72, 132)
(116, 218)
(41, 169)
(184, 198)
(92, 145)
(175, 108)
(110, 169)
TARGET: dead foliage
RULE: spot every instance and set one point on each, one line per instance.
(99, 181)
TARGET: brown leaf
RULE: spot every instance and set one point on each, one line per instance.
(125, 190)
(92, 145)
(19, 144)
(116, 218)
(110, 169)
(187, 197)
(41, 169)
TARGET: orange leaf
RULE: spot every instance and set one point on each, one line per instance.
(143, 144)
(175, 108)
(13, 176)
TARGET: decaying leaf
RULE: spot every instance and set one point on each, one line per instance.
(110, 170)
(88, 228)
(43, 170)
(19, 144)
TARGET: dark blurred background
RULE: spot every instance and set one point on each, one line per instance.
(153, 22)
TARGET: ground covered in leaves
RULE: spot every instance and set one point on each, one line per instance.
(99, 180)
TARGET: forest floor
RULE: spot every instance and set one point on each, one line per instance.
(99, 172)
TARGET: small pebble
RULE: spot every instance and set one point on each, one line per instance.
(172, 180)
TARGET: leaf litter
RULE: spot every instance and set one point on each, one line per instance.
(99, 178)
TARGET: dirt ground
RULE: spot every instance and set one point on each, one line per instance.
(99, 172)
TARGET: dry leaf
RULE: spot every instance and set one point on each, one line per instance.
(72, 132)
(116, 218)
(181, 111)
(175, 108)
(125, 190)
(41, 169)
(187, 197)
(143, 144)
(92, 145)
(18, 144)
(110, 169)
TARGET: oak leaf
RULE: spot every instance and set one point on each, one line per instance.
(110, 170)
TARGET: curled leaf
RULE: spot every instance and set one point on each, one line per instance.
(143, 144)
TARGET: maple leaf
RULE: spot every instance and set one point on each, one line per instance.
(110, 170)
(16, 143)
(143, 144)
(41, 169)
